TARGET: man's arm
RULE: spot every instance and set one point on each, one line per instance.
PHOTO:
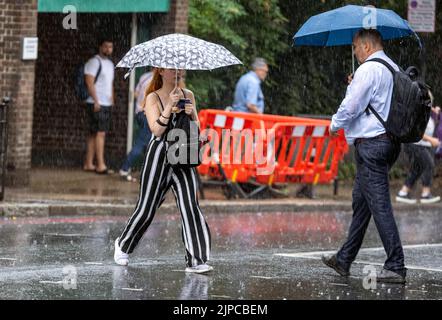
(356, 100)
(253, 108)
(113, 95)
(253, 90)
(91, 87)
(90, 71)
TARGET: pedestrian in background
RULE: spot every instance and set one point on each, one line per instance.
(421, 156)
(248, 92)
(438, 133)
(99, 105)
(144, 135)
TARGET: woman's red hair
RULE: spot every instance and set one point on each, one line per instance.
(156, 83)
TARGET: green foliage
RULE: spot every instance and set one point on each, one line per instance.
(248, 28)
(347, 171)
(302, 80)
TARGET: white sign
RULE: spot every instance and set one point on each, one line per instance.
(422, 15)
(29, 48)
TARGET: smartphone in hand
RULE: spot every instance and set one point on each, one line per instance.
(182, 103)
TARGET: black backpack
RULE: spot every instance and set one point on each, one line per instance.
(410, 107)
(79, 82)
(189, 144)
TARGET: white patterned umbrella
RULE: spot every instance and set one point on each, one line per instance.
(178, 51)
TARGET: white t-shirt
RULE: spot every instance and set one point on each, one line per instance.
(104, 83)
(141, 89)
(429, 131)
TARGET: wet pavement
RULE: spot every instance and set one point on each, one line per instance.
(255, 256)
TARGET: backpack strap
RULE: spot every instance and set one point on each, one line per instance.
(385, 63)
(369, 107)
(184, 94)
(99, 70)
(376, 114)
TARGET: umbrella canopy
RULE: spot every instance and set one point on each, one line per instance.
(338, 27)
(178, 51)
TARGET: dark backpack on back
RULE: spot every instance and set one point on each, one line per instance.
(410, 107)
(79, 82)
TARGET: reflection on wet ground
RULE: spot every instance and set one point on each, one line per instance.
(255, 256)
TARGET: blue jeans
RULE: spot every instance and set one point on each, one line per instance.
(141, 142)
(371, 197)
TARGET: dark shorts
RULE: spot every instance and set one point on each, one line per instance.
(99, 121)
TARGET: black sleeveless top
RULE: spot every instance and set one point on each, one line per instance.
(172, 122)
(191, 145)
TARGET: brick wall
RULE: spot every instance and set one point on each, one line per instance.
(17, 19)
(60, 121)
(175, 21)
(47, 125)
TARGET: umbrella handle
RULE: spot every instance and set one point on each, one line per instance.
(127, 74)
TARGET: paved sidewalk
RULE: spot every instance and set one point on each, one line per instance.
(55, 192)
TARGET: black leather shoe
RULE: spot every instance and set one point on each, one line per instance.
(332, 262)
(387, 276)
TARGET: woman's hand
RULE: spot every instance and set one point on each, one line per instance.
(188, 108)
(174, 97)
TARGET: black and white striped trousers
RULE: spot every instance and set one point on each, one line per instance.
(156, 179)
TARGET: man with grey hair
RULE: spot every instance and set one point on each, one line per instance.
(375, 153)
(248, 93)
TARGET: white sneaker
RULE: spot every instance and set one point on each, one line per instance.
(202, 268)
(430, 199)
(125, 175)
(405, 199)
(120, 257)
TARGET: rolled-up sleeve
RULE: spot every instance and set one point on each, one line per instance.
(356, 100)
(252, 93)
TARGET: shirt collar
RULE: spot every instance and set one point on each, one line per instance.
(377, 54)
(253, 73)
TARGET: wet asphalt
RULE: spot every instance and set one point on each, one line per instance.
(254, 255)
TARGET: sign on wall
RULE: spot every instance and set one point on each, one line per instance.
(29, 48)
(422, 15)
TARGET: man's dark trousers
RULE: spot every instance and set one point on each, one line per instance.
(371, 196)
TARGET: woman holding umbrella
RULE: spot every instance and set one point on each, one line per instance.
(158, 176)
(170, 55)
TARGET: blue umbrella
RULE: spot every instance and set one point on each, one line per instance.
(338, 27)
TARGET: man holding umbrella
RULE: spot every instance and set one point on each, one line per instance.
(375, 154)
